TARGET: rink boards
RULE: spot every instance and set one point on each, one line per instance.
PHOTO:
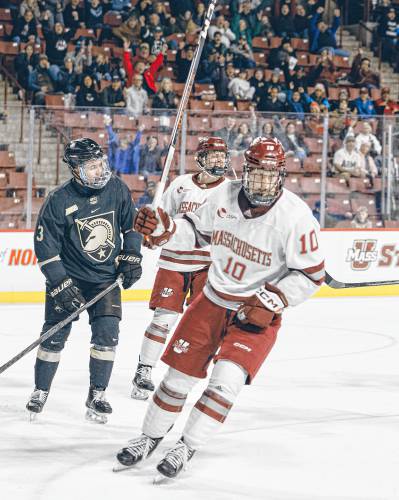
(351, 256)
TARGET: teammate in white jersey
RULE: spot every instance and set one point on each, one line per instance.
(182, 269)
(265, 257)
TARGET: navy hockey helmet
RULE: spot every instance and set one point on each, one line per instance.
(85, 157)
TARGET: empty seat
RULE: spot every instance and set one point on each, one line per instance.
(223, 106)
(7, 159)
(312, 164)
(391, 224)
(56, 100)
(134, 182)
(124, 122)
(112, 19)
(9, 48)
(310, 185)
(364, 200)
(338, 204)
(196, 105)
(75, 119)
(314, 145)
(293, 165)
(196, 124)
(260, 42)
(336, 185)
(293, 183)
(96, 120)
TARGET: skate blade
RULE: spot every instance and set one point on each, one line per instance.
(160, 479)
(96, 418)
(118, 467)
(32, 416)
(139, 394)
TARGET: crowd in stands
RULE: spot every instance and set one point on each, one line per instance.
(262, 56)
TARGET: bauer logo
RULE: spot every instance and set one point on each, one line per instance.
(167, 292)
(181, 346)
(362, 254)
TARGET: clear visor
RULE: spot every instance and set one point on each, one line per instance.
(95, 173)
(262, 186)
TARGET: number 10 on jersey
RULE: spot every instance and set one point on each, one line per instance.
(235, 269)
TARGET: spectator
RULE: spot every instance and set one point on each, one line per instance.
(222, 26)
(24, 29)
(293, 143)
(385, 105)
(319, 96)
(268, 130)
(363, 104)
(41, 81)
(296, 104)
(264, 27)
(94, 14)
(186, 24)
(137, 97)
(366, 135)
(178, 7)
(244, 16)
(123, 155)
(388, 32)
(165, 98)
(243, 57)
(128, 30)
(270, 102)
(160, 10)
(52, 12)
(148, 73)
(33, 6)
(57, 41)
(229, 132)
(283, 24)
(198, 16)
(240, 88)
(367, 162)
(150, 157)
(68, 79)
(301, 22)
(74, 15)
(184, 56)
(112, 96)
(123, 6)
(258, 81)
(314, 123)
(148, 196)
(24, 63)
(240, 29)
(216, 44)
(87, 95)
(347, 161)
(325, 70)
(243, 138)
(100, 68)
(323, 36)
(341, 119)
(361, 219)
(157, 41)
(361, 74)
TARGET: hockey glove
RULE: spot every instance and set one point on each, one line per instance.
(259, 310)
(156, 227)
(67, 296)
(129, 265)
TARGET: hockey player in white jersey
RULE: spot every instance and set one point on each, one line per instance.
(265, 257)
(183, 270)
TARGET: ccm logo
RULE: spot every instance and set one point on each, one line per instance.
(242, 346)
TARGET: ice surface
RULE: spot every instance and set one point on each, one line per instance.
(320, 422)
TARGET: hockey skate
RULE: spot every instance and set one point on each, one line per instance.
(142, 383)
(36, 403)
(97, 406)
(174, 462)
(137, 450)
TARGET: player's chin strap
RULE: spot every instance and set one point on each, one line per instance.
(270, 299)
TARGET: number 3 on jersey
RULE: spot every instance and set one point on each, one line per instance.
(309, 242)
(235, 269)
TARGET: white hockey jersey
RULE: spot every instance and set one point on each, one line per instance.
(280, 247)
(182, 196)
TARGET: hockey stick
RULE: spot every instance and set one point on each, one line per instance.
(182, 106)
(332, 283)
(56, 328)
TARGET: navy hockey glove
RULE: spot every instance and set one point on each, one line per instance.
(130, 267)
(258, 311)
(67, 296)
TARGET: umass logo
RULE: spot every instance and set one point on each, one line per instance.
(362, 254)
(97, 235)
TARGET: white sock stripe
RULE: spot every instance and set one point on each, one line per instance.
(159, 331)
(102, 355)
(49, 356)
(213, 405)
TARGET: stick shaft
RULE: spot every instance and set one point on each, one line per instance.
(183, 105)
(333, 283)
(56, 328)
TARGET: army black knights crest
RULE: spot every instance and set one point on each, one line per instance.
(97, 235)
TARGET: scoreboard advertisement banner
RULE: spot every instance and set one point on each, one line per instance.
(351, 256)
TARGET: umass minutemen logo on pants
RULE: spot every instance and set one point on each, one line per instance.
(97, 235)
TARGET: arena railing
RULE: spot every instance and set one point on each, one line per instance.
(311, 141)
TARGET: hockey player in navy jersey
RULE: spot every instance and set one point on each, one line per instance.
(83, 242)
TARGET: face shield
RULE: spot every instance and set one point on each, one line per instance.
(94, 173)
(263, 185)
